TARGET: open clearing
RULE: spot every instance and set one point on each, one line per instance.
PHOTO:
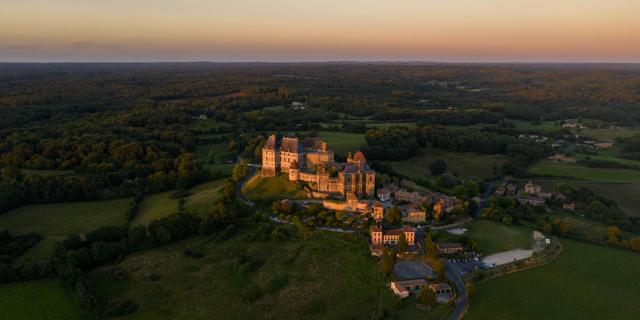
(550, 168)
(465, 165)
(199, 200)
(57, 220)
(585, 282)
(328, 277)
(219, 159)
(493, 237)
(46, 299)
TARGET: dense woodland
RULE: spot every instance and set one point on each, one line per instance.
(115, 130)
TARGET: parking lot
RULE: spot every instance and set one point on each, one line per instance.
(467, 265)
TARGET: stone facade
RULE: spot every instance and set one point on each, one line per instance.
(312, 162)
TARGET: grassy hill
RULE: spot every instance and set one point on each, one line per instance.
(40, 299)
(272, 188)
(328, 277)
(495, 237)
(585, 282)
(57, 220)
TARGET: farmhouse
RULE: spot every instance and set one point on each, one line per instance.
(312, 162)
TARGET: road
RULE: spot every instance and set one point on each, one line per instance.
(452, 273)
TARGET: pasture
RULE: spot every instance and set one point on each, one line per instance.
(343, 142)
(465, 165)
(215, 157)
(550, 168)
(585, 282)
(56, 221)
(493, 237)
(46, 299)
(327, 277)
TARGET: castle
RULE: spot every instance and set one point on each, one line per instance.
(311, 162)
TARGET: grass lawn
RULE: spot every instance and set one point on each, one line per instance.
(40, 299)
(221, 155)
(585, 282)
(466, 165)
(272, 188)
(608, 157)
(201, 198)
(409, 311)
(550, 168)
(55, 221)
(606, 133)
(328, 277)
(495, 237)
(343, 142)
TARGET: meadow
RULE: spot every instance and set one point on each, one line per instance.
(465, 165)
(493, 237)
(328, 277)
(199, 200)
(343, 142)
(556, 169)
(585, 282)
(272, 188)
(56, 221)
(46, 299)
(220, 159)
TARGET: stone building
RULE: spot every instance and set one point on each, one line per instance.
(312, 162)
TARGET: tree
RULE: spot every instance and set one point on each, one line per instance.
(427, 296)
(437, 167)
(430, 250)
(393, 216)
(438, 268)
(387, 261)
(402, 245)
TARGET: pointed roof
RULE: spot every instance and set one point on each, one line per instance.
(291, 145)
(359, 156)
(271, 142)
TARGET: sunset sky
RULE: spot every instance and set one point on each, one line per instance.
(320, 30)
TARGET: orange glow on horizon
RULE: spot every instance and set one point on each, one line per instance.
(463, 30)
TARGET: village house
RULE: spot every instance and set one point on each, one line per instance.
(411, 197)
(312, 162)
(571, 206)
(389, 237)
(534, 201)
(450, 247)
(413, 213)
(384, 194)
(410, 277)
(296, 105)
(443, 291)
(603, 145)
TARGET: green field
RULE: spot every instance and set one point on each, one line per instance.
(343, 142)
(465, 165)
(199, 200)
(550, 168)
(207, 124)
(40, 299)
(608, 156)
(272, 188)
(624, 194)
(220, 159)
(328, 277)
(56, 221)
(585, 282)
(493, 237)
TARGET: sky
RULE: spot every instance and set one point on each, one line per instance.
(320, 30)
